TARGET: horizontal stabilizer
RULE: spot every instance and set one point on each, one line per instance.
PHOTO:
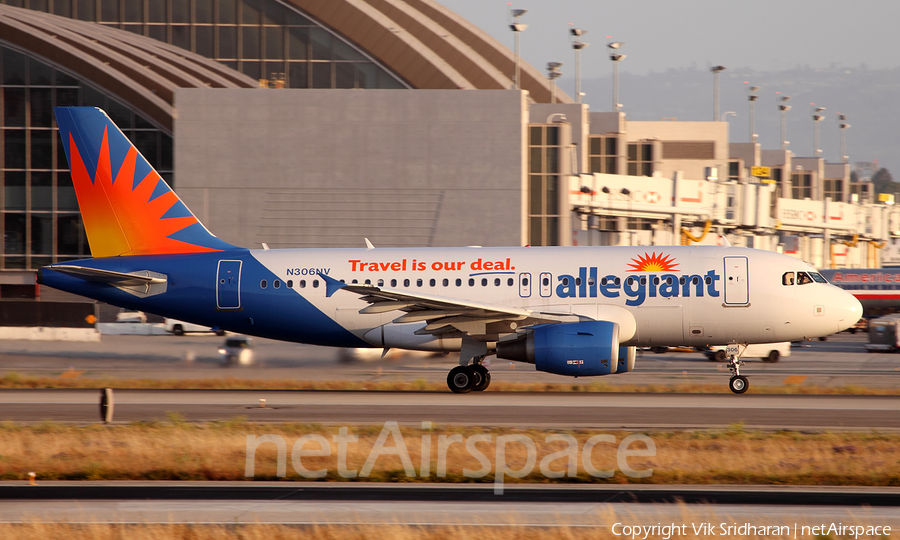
(141, 277)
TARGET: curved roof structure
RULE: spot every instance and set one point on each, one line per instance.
(140, 70)
(428, 45)
(421, 41)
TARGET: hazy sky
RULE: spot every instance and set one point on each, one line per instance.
(662, 34)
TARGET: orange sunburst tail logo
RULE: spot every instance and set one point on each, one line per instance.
(653, 263)
(127, 208)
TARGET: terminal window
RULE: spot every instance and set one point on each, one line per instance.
(544, 185)
(264, 39)
(603, 154)
(640, 159)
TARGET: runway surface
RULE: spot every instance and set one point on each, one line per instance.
(579, 506)
(606, 410)
(840, 361)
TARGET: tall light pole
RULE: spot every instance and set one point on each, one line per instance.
(577, 44)
(715, 71)
(817, 117)
(784, 108)
(616, 58)
(553, 73)
(517, 29)
(844, 125)
(753, 97)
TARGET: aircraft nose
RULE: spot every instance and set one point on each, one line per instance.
(847, 308)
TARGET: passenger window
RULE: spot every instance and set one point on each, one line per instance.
(381, 283)
(590, 282)
(578, 281)
(276, 284)
(393, 283)
(406, 283)
(263, 284)
(510, 282)
(419, 282)
(546, 281)
(524, 282)
(290, 284)
(354, 282)
(431, 282)
(458, 282)
(803, 278)
(446, 282)
(496, 282)
(315, 283)
(471, 282)
(787, 278)
(368, 282)
(643, 281)
(565, 282)
(484, 282)
(302, 283)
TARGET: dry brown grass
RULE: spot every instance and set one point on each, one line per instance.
(176, 450)
(44, 531)
(15, 380)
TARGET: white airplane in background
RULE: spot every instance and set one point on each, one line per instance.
(877, 289)
(570, 311)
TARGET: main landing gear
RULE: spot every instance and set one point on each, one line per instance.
(738, 383)
(464, 379)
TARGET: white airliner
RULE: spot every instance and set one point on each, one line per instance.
(569, 311)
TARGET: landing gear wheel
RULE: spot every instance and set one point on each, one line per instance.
(738, 384)
(482, 377)
(178, 330)
(772, 357)
(461, 379)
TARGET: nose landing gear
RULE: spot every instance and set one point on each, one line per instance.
(738, 383)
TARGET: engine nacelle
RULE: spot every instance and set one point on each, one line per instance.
(577, 349)
(626, 359)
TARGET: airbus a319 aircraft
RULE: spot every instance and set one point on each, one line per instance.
(575, 311)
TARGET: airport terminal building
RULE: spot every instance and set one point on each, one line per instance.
(302, 123)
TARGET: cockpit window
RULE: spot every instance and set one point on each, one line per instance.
(803, 278)
(787, 278)
(818, 278)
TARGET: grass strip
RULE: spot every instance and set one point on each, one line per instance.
(16, 380)
(173, 449)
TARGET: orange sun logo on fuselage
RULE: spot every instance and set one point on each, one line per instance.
(653, 263)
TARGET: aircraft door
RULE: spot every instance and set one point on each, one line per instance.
(737, 289)
(525, 285)
(228, 285)
(546, 284)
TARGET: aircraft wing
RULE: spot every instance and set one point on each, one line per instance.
(446, 315)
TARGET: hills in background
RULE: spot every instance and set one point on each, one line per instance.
(869, 97)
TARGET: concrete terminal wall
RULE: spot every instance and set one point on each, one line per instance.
(326, 168)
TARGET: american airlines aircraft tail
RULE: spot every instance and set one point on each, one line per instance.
(569, 311)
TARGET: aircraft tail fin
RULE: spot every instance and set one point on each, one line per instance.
(127, 208)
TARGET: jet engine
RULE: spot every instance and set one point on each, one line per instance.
(578, 349)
